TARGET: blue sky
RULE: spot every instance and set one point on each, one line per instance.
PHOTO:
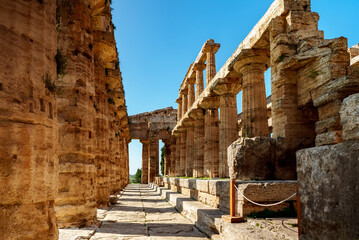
(157, 40)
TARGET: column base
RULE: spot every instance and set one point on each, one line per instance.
(232, 219)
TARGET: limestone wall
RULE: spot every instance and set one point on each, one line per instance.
(28, 120)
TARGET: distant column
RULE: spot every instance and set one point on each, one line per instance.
(189, 148)
(153, 159)
(178, 154)
(184, 102)
(183, 153)
(179, 110)
(173, 156)
(198, 144)
(144, 171)
(211, 49)
(191, 96)
(199, 68)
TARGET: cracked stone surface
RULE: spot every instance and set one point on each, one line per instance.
(140, 213)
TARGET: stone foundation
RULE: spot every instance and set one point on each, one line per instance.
(215, 193)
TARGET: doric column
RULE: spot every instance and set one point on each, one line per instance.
(211, 137)
(144, 172)
(198, 143)
(184, 102)
(178, 154)
(228, 125)
(189, 147)
(167, 161)
(182, 166)
(191, 96)
(153, 159)
(210, 49)
(254, 104)
(173, 156)
(199, 68)
(179, 109)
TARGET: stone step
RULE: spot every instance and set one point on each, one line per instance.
(209, 220)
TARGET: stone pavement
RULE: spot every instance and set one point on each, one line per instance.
(140, 213)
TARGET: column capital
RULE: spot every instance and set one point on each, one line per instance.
(210, 46)
(191, 80)
(184, 92)
(253, 68)
(179, 100)
(199, 66)
(250, 57)
(228, 86)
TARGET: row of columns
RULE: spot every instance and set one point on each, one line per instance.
(202, 140)
(150, 158)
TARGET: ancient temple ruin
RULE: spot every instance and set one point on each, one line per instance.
(64, 128)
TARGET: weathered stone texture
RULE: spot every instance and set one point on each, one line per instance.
(28, 120)
(328, 180)
(349, 117)
(75, 203)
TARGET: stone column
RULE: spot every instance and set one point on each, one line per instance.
(144, 171)
(179, 109)
(184, 102)
(228, 128)
(173, 156)
(191, 95)
(211, 140)
(198, 144)
(178, 154)
(182, 170)
(210, 49)
(28, 121)
(189, 148)
(254, 104)
(167, 162)
(199, 68)
(153, 159)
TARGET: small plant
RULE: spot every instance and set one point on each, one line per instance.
(61, 64)
(59, 26)
(110, 101)
(314, 74)
(52, 86)
(280, 58)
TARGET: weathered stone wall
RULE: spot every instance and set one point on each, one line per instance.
(75, 203)
(28, 120)
(328, 182)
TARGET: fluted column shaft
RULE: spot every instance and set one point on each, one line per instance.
(153, 159)
(211, 67)
(199, 78)
(199, 144)
(184, 103)
(211, 143)
(228, 129)
(144, 172)
(191, 95)
(178, 156)
(182, 167)
(179, 109)
(254, 104)
(172, 171)
(190, 149)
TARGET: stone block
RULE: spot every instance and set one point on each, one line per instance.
(349, 117)
(252, 158)
(328, 188)
(202, 186)
(327, 138)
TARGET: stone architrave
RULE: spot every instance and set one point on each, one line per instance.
(145, 157)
